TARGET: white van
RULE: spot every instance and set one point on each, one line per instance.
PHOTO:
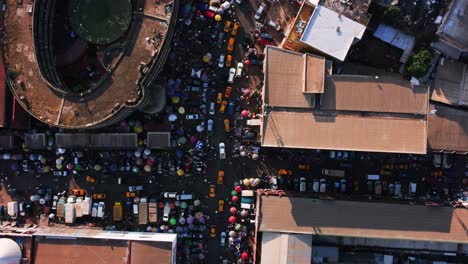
(240, 67)
(247, 193)
(182, 197)
(135, 209)
(170, 194)
(100, 211)
(94, 210)
(247, 206)
(232, 72)
(13, 209)
(302, 185)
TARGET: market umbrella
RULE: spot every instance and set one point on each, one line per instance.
(129, 154)
(245, 113)
(233, 193)
(61, 150)
(196, 202)
(177, 203)
(147, 168)
(139, 161)
(238, 227)
(232, 233)
(77, 167)
(59, 166)
(244, 213)
(137, 129)
(255, 156)
(46, 168)
(42, 159)
(172, 117)
(135, 169)
(233, 210)
(137, 153)
(179, 153)
(200, 128)
(150, 161)
(245, 255)
(180, 131)
(238, 189)
(70, 166)
(175, 100)
(14, 166)
(198, 215)
(113, 167)
(201, 256)
(97, 167)
(147, 152)
(172, 205)
(206, 59)
(247, 62)
(243, 153)
(217, 18)
(232, 219)
(183, 205)
(58, 161)
(19, 156)
(148, 229)
(190, 220)
(34, 198)
(173, 221)
(182, 140)
(33, 157)
(180, 172)
(235, 199)
(246, 182)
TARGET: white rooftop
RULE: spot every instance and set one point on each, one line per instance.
(331, 33)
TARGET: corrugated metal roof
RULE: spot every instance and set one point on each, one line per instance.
(394, 36)
(451, 83)
(448, 129)
(102, 141)
(278, 248)
(345, 132)
(8, 142)
(35, 141)
(361, 219)
(148, 252)
(158, 140)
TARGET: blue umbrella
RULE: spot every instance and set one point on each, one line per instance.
(129, 154)
(199, 144)
(180, 131)
(113, 167)
(185, 95)
(179, 153)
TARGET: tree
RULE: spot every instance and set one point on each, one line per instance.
(393, 15)
(419, 63)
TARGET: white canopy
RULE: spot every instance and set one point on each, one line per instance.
(10, 252)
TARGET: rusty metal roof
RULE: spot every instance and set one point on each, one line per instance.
(362, 219)
(451, 83)
(448, 129)
(318, 130)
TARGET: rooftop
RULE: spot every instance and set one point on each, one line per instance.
(331, 32)
(454, 27)
(448, 129)
(451, 83)
(278, 248)
(383, 114)
(353, 9)
(119, 91)
(366, 220)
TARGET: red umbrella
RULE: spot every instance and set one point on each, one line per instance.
(233, 210)
(172, 205)
(247, 62)
(244, 255)
(245, 113)
(161, 205)
(232, 219)
(235, 199)
(238, 189)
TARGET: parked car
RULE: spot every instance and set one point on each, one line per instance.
(223, 107)
(266, 36)
(226, 125)
(230, 46)
(222, 151)
(78, 192)
(213, 231)
(219, 98)
(221, 206)
(323, 185)
(99, 196)
(220, 177)
(231, 108)
(260, 11)
(227, 26)
(210, 126)
(223, 239)
(60, 173)
(228, 60)
(135, 188)
(227, 92)
(235, 28)
(192, 117)
(212, 191)
(170, 195)
(219, 44)
(212, 108)
(316, 186)
(264, 42)
(302, 184)
(240, 66)
(274, 183)
(90, 179)
(232, 72)
(221, 61)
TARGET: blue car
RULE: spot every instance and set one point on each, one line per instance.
(231, 108)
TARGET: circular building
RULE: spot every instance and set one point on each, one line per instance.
(10, 252)
(87, 63)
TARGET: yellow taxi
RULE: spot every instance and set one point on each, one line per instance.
(228, 60)
(235, 28)
(213, 231)
(219, 98)
(220, 177)
(227, 127)
(212, 191)
(230, 46)
(223, 106)
(227, 26)
(221, 206)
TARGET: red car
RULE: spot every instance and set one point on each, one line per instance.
(228, 91)
(265, 42)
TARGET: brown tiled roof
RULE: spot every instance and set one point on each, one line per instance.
(448, 129)
(148, 252)
(367, 93)
(361, 219)
(451, 83)
(77, 251)
(285, 78)
(313, 129)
